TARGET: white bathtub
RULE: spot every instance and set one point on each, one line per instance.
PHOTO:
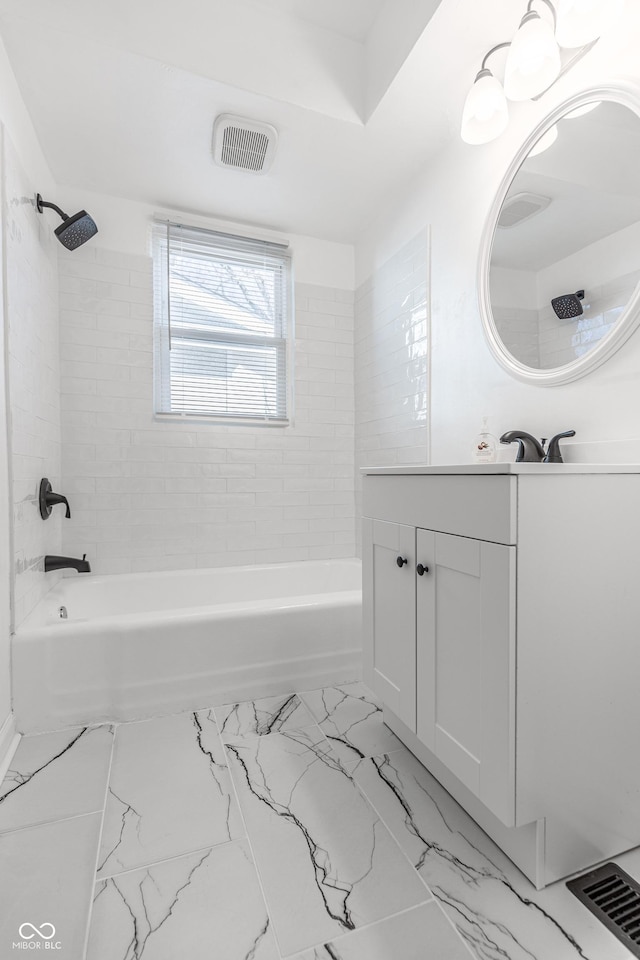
(139, 645)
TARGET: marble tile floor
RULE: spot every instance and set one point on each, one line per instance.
(293, 827)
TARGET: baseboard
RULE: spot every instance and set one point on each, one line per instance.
(9, 740)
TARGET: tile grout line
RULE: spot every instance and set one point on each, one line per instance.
(48, 823)
(455, 929)
(114, 727)
(248, 839)
(392, 834)
(326, 741)
(342, 937)
(178, 856)
(434, 899)
(366, 926)
(346, 765)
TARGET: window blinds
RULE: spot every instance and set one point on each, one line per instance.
(222, 309)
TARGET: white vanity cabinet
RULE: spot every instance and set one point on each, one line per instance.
(502, 630)
(389, 609)
(465, 671)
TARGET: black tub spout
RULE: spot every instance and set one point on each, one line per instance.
(63, 563)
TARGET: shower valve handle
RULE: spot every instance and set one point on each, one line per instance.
(48, 500)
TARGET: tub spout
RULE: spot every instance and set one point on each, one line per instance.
(62, 563)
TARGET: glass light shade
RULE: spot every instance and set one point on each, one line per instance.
(533, 62)
(544, 142)
(485, 113)
(581, 21)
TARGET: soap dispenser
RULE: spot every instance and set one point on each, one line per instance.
(485, 449)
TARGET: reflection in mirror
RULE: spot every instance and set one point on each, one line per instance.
(565, 259)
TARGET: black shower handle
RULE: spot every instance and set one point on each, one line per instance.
(48, 500)
(55, 498)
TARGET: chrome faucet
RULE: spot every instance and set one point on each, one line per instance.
(62, 563)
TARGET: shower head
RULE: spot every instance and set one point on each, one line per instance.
(75, 230)
(568, 305)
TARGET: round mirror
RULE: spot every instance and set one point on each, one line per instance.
(560, 260)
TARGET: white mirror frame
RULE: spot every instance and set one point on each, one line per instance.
(630, 318)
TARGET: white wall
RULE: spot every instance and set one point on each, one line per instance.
(124, 226)
(455, 197)
(392, 362)
(34, 380)
(149, 494)
(600, 264)
(29, 287)
(5, 516)
(513, 288)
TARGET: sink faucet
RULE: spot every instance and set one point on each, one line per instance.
(530, 450)
(553, 450)
(62, 563)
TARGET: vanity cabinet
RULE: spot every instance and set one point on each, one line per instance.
(465, 669)
(441, 653)
(500, 611)
(389, 597)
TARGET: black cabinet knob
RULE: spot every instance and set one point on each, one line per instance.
(400, 561)
(422, 569)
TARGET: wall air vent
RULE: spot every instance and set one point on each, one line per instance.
(521, 207)
(243, 144)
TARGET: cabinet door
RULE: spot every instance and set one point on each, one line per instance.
(466, 663)
(389, 615)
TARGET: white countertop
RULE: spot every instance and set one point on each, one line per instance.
(509, 469)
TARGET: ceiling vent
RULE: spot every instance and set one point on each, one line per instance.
(521, 207)
(243, 144)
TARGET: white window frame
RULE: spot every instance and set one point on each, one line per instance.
(163, 232)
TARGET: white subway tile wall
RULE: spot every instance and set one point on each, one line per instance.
(391, 363)
(34, 391)
(156, 495)
(519, 331)
(538, 338)
(562, 341)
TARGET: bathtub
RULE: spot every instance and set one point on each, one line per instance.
(140, 645)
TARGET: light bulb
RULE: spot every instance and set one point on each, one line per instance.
(581, 21)
(533, 62)
(485, 113)
(544, 142)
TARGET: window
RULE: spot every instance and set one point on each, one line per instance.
(222, 319)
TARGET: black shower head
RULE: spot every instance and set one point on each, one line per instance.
(568, 305)
(75, 230)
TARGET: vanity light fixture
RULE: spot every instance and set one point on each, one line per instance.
(534, 61)
(485, 114)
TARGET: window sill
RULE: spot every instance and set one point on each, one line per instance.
(219, 421)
